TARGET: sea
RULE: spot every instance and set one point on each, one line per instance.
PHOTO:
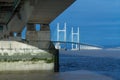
(77, 65)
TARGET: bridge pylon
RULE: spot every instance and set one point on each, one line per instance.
(77, 34)
(58, 46)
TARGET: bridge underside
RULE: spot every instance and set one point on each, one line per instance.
(16, 14)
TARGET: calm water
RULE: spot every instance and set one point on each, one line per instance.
(84, 65)
(103, 62)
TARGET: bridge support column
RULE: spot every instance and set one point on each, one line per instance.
(3, 31)
(44, 36)
(11, 36)
(41, 39)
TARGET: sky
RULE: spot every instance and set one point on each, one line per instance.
(98, 20)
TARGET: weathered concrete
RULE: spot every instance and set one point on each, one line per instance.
(14, 45)
(40, 39)
(17, 14)
(3, 31)
(17, 56)
(26, 66)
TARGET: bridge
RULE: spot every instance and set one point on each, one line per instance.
(16, 14)
(65, 45)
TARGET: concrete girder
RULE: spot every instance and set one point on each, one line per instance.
(34, 11)
(46, 11)
(20, 19)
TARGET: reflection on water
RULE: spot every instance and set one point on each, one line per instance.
(33, 75)
(46, 75)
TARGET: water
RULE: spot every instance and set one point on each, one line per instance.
(102, 62)
(75, 65)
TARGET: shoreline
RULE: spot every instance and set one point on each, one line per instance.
(26, 65)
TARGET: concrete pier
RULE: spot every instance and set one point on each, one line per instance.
(40, 39)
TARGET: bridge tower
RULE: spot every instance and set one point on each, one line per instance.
(74, 45)
(58, 35)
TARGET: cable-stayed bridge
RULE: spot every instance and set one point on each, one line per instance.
(74, 42)
(80, 46)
